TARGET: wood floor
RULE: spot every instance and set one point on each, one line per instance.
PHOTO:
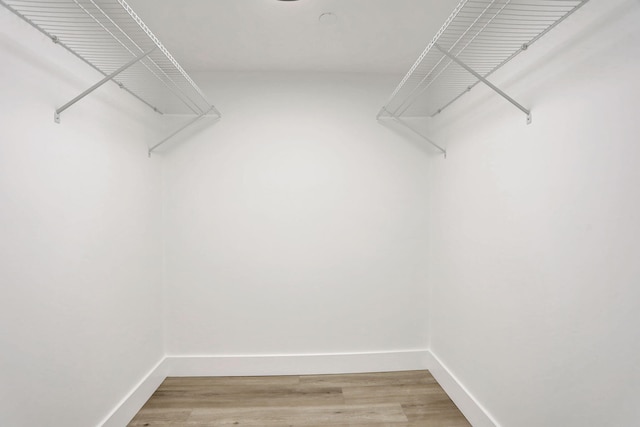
(395, 399)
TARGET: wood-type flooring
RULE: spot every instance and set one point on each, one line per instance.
(393, 399)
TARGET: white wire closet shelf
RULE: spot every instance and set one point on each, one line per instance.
(110, 37)
(478, 38)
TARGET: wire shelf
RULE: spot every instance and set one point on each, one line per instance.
(480, 36)
(108, 34)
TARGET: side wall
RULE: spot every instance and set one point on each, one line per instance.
(296, 226)
(80, 253)
(535, 230)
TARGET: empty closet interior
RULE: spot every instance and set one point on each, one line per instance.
(267, 188)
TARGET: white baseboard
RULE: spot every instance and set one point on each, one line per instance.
(300, 364)
(131, 404)
(477, 415)
(296, 364)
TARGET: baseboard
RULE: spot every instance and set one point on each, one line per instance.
(477, 415)
(131, 404)
(300, 364)
(296, 364)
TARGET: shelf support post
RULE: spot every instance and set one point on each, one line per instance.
(485, 81)
(56, 115)
(183, 127)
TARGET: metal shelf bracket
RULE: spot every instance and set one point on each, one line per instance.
(56, 115)
(185, 126)
(485, 81)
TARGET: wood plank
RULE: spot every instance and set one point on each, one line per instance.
(408, 394)
(270, 381)
(158, 417)
(258, 397)
(300, 416)
(440, 412)
(377, 378)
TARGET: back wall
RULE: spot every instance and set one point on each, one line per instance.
(297, 224)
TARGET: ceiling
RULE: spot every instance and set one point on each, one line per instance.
(378, 36)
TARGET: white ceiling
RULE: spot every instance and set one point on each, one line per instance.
(381, 36)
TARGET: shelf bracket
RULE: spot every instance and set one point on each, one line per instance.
(412, 129)
(56, 115)
(484, 80)
(183, 127)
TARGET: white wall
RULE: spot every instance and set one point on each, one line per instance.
(535, 230)
(80, 252)
(297, 224)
